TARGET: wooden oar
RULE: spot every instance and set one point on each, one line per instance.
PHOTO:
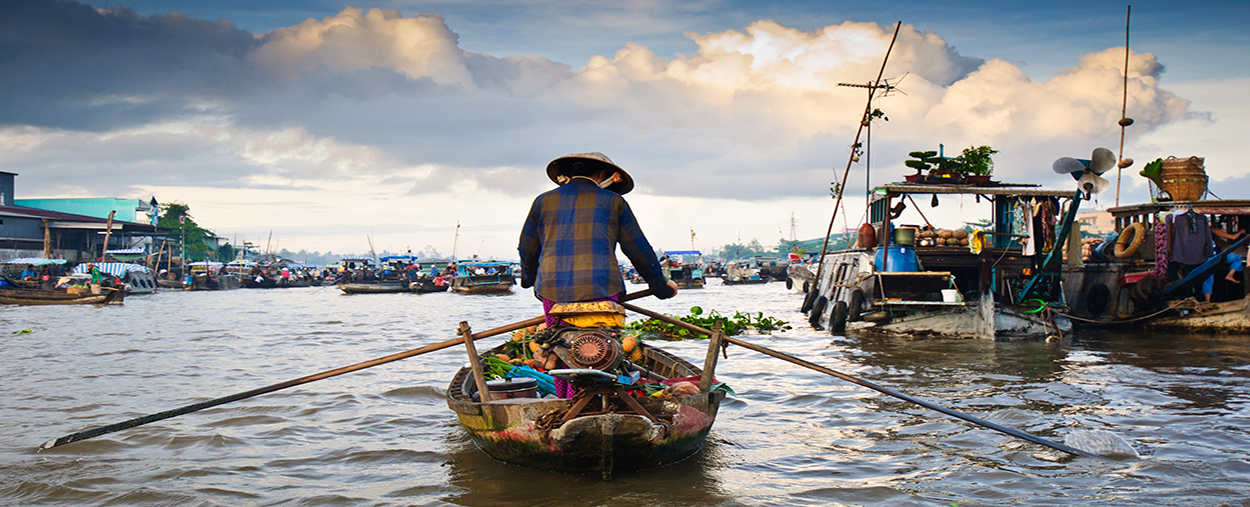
(138, 421)
(932, 406)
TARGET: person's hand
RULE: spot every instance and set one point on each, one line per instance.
(673, 286)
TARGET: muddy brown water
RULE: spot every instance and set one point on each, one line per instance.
(790, 436)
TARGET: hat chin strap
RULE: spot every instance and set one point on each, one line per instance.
(607, 182)
(611, 180)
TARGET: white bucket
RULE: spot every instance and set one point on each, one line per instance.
(950, 296)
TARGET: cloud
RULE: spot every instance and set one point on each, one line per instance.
(66, 65)
(370, 95)
(355, 39)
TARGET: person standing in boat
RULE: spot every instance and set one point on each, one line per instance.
(569, 240)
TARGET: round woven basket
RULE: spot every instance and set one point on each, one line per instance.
(1185, 179)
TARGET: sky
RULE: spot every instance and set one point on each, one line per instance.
(333, 126)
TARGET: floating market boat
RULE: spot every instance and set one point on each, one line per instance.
(138, 279)
(430, 284)
(485, 277)
(685, 268)
(606, 427)
(1001, 283)
(209, 275)
(743, 273)
(1135, 277)
(374, 286)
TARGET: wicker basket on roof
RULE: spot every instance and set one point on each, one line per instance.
(1185, 179)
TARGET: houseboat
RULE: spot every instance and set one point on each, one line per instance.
(917, 280)
(1140, 276)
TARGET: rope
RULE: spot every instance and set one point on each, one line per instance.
(1178, 304)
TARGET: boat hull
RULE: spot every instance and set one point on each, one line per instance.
(743, 281)
(488, 284)
(374, 288)
(849, 277)
(523, 431)
(35, 297)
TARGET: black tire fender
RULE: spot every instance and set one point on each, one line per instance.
(789, 283)
(856, 308)
(808, 300)
(837, 320)
(817, 308)
(1097, 298)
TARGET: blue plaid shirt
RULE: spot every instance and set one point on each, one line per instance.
(568, 245)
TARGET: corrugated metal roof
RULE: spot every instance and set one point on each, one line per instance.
(117, 269)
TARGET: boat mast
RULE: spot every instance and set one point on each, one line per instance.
(1125, 121)
(864, 122)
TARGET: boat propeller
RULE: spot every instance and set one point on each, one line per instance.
(1088, 173)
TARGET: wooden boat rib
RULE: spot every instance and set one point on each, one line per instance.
(55, 297)
(530, 431)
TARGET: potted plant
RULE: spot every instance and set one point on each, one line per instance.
(976, 164)
(924, 161)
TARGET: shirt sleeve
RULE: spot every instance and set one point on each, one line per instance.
(640, 253)
(530, 247)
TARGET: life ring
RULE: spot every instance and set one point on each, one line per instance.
(976, 242)
(1132, 236)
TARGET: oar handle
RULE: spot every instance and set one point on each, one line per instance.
(885, 390)
(138, 421)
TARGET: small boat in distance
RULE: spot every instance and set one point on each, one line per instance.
(684, 267)
(483, 277)
(138, 279)
(743, 273)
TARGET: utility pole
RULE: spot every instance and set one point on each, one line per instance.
(108, 231)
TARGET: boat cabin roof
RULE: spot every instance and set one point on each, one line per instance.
(1211, 207)
(1011, 189)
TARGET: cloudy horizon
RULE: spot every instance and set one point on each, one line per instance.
(336, 123)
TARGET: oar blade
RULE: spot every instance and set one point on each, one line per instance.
(1101, 443)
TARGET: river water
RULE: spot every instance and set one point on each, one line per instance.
(384, 436)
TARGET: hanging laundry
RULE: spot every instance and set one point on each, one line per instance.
(1030, 245)
(1191, 239)
(1161, 249)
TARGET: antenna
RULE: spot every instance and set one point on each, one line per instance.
(455, 242)
(1125, 121)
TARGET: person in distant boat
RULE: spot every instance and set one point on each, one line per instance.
(97, 277)
(28, 273)
(1233, 259)
(569, 240)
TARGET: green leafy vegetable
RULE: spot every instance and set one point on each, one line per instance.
(731, 326)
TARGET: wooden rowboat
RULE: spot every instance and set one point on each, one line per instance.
(374, 287)
(57, 297)
(532, 432)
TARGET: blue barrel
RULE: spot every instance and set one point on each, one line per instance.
(902, 258)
